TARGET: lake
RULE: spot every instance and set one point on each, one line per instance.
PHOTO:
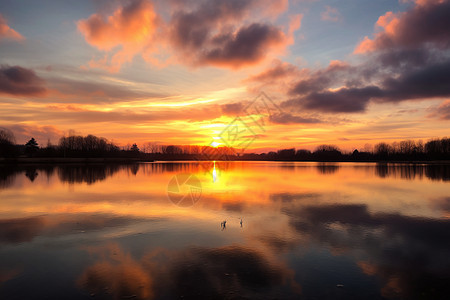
(225, 230)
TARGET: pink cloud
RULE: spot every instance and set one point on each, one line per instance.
(427, 22)
(442, 111)
(24, 132)
(7, 32)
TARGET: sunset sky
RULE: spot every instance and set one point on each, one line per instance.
(348, 73)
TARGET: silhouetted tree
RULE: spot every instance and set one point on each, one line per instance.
(7, 140)
(438, 148)
(407, 147)
(286, 153)
(134, 148)
(86, 146)
(31, 147)
(7, 135)
(172, 150)
(303, 154)
(327, 153)
(382, 150)
(361, 156)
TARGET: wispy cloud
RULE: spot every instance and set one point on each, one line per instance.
(331, 14)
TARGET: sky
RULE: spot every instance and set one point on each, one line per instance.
(349, 73)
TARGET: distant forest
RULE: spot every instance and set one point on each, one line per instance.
(90, 146)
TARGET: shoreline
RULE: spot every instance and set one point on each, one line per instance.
(96, 160)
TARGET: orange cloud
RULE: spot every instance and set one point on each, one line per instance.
(131, 28)
(424, 2)
(365, 46)
(388, 22)
(8, 32)
(275, 7)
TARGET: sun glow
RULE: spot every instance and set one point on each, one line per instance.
(184, 103)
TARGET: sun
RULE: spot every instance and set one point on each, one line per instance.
(215, 144)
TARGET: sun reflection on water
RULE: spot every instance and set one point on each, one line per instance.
(214, 173)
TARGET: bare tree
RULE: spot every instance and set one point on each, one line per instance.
(6, 135)
(7, 143)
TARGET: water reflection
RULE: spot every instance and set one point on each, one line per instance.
(66, 173)
(20, 230)
(31, 174)
(92, 173)
(413, 171)
(7, 176)
(409, 254)
(88, 174)
(442, 204)
(192, 273)
(312, 231)
(325, 168)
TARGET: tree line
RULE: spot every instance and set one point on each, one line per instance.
(407, 150)
(93, 146)
(68, 146)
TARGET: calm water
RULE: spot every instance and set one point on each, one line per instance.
(309, 231)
